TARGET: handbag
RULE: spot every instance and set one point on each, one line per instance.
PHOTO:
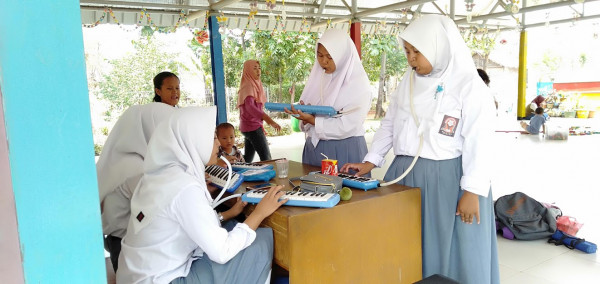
(568, 225)
(317, 182)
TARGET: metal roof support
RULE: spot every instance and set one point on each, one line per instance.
(522, 79)
(373, 11)
(320, 10)
(452, 9)
(216, 64)
(563, 21)
(522, 11)
(355, 36)
(222, 4)
(347, 6)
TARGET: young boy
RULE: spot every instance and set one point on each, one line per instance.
(226, 135)
(536, 122)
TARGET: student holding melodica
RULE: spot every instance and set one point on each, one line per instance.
(337, 79)
(443, 104)
(174, 234)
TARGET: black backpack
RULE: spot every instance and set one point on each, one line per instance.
(525, 217)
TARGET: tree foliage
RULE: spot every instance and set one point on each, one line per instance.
(480, 41)
(383, 58)
(130, 81)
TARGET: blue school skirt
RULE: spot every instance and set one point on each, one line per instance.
(251, 265)
(349, 150)
(463, 252)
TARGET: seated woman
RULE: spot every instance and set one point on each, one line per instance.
(174, 234)
(337, 79)
(119, 168)
(538, 101)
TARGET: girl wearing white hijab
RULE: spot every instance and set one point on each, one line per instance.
(174, 234)
(337, 79)
(119, 168)
(444, 103)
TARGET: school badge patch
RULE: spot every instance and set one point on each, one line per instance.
(449, 125)
(140, 216)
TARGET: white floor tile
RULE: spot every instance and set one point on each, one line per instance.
(568, 269)
(587, 256)
(507, 272)
(526, 278)
(522, 255)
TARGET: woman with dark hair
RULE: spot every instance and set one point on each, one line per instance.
(166, 88)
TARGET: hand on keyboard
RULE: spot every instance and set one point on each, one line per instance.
(360, 168)
(266, 207)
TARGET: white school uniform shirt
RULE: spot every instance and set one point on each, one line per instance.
(346, 89)
(172, 221)
(165, 249)
(119, 167)
(454, 109)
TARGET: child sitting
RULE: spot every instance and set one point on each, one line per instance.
(536, 122)
(226, 135)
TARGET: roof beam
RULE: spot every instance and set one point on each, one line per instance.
(320, 11)
(521, 11)
(373, 11)
(347, 6)
(222, 4)
(591, 17)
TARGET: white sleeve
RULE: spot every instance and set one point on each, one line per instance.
(383, 139)
(477, 159)
(342, 127)
(199, 221)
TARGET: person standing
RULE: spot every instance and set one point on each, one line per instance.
(251, 100)
(337, 79)
(441, 119)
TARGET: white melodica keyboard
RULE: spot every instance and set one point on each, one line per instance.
(297, 198)
(218, 177)
(237, 166)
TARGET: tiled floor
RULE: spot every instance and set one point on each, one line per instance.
(561, 172)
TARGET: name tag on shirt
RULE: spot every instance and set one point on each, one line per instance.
(448, 126)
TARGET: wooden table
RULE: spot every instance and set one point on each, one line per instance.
(373, 238)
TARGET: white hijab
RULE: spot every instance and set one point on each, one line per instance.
(439, 40)
(349, 76)
(123, 154)
(176, 157)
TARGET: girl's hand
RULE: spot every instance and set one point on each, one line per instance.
(468, 207)
(267, 205)
(276, 126)
(360, 168)
(237, 208)
(305, 117)
(270, 202)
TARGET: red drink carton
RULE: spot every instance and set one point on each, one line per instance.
(329, 167)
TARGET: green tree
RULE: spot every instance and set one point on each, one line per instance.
(549, 64)
(382, 58)
(286, 59)
(480, 41)
(130, 81)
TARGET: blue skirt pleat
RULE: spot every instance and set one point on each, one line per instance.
(464, 252)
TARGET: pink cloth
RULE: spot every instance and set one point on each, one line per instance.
(251, 113)
(250, 85)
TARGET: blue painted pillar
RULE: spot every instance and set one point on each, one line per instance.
(50, 146)
(218, 74)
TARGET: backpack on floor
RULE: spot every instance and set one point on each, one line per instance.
(525, 217)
